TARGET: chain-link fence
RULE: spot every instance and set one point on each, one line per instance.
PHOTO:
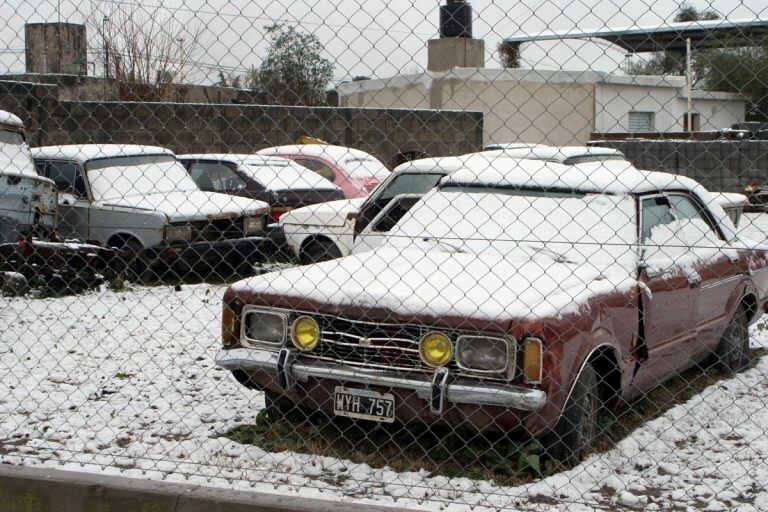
(498, 255)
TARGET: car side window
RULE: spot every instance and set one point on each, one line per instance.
(686, 209)
(216, 177)
(656, 212)
(318, 167)
(67, 176)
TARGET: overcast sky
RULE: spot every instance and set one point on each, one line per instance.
(371, 38)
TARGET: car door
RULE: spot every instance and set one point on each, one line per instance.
(74, 202)
(717, 265)
(670, 295)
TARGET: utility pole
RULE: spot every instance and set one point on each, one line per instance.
(181, 58)
(688, 85)
(104, 23)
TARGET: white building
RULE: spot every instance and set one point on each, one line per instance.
(552, 107)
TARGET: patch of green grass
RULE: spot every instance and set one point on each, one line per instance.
(460, 452)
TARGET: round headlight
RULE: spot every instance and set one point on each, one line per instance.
(305, 333)
(435, 349)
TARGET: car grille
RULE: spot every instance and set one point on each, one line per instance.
(219, 229)
(371, 345)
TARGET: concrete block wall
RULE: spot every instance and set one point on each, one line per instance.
(719, 165)
(193, 128)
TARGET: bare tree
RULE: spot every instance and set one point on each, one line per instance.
(145, 49)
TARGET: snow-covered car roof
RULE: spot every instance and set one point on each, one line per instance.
(506, 146)
(8, 118)
(274, 173)
(730, 199)
(611, 177)
(336, 153)
(83, 153)
(557, 154)
(438, 165)
(237, 158)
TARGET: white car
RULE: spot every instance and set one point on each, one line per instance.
(330, 230)
(28, 200)
(566, 155)
(141, 199)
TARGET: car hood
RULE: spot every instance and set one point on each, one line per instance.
(435, 284)
(332, 213)
(191, 205)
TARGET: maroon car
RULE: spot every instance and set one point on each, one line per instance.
(518, 295)
(281, 183)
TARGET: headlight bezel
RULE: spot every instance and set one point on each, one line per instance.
(251, 342)
(256, 224)
(510, 344)
(183, 233)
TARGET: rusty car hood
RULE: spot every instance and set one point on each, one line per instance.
(409, 283)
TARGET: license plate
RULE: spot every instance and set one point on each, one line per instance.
(363, 404)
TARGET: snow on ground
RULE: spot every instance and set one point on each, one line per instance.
(124, 383)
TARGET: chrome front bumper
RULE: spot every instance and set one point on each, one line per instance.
(438, 390)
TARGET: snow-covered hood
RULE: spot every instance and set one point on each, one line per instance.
(332, 213)
(436, 284)
(191, 205)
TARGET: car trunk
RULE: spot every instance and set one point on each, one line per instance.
(287, 200)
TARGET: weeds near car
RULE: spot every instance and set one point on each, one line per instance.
(456, 453)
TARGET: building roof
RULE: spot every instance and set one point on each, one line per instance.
(667, 36)
(10, 119)
(85, 152)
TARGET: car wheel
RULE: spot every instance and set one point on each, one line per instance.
(576, 431)
(320, 250)
(732, 353)
(134, 265)
(280, 408)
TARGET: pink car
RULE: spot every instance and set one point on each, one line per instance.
(355, 172)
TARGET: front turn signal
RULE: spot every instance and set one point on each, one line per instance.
(228, 336)
(533, 360)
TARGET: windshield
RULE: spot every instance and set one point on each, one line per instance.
(14, 154)
(559, 225)
(365, 168)
(115, 178)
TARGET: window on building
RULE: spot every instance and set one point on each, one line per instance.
(640, 121)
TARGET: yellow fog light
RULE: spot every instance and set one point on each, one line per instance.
(532, 360)
(435, 349)
(305, 333)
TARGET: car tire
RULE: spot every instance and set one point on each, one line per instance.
(576, 431)
(732, 353)
(320, 250)
(134, 264)
(280, 408)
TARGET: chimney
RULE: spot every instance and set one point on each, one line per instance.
(56, 48)
(455, 48)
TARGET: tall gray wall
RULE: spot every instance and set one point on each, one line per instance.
(721, 165)
(187, 128)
